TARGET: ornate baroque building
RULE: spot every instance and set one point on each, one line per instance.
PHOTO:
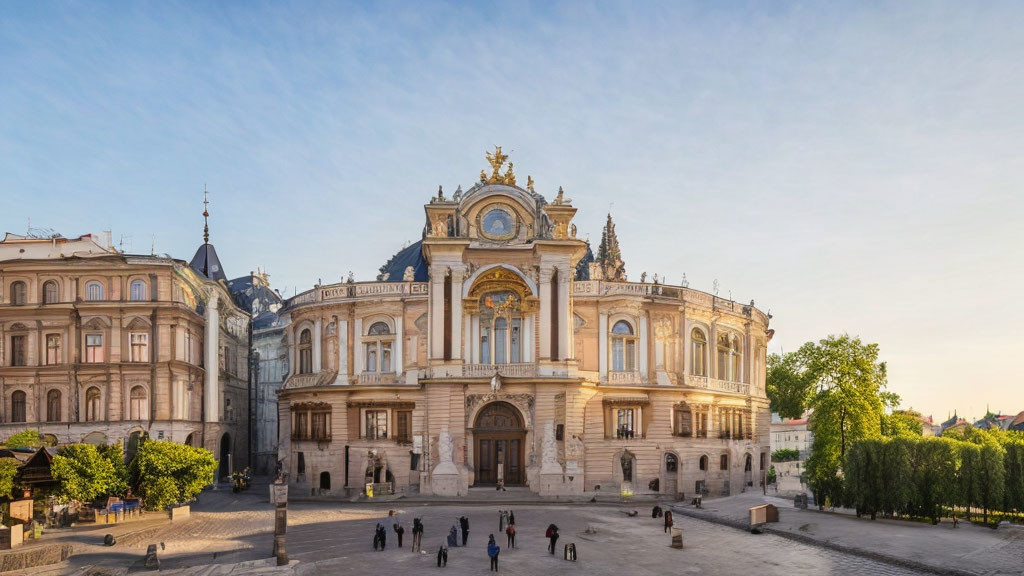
(99, 346)
(499, 349)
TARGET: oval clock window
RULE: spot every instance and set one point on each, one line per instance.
(498, 223)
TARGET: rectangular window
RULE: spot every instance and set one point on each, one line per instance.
(624, 423)
(371, 357)
(19, 356)
(301, 423)
(630, 355)
(321, 429)
(52, 349)
(385, 357)
(515, 339)
(618, 353)
(94, 348)
(300, 466)
(376, 424)
(485, 344)
(403, 425)
(140, 346)
(702, 425)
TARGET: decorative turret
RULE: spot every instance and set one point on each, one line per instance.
(609, 257)
(205, 261)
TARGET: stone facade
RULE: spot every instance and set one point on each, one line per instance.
(499, 349)
(99, 346)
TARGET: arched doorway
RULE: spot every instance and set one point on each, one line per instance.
(748, 471)
(499, 437)
(225, 455)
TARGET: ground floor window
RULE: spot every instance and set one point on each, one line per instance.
(724, 464)
(625, 423)
(376, 424)
(325, 480)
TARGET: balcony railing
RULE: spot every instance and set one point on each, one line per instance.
(625, 377)
(715, 384)
(376, 378)
(488, 370)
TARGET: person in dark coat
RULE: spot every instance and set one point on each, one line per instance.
(668, 520)
(376, 537)
(383, 538)
(493, 550)
(453, 537)
(552, 535)
(417, 535)
(442, 555)
(400, 531)
(510, 532)
(464, 522)
(511, 517)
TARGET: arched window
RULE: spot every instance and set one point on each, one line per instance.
(137, 291)
(53, 406)
(138, 408)
(704, 463)
(51, 293)
(748, 465)
(94, 291)
(698, 357)
(724, 462)
(377, 348)
(306, 352)
(730, 357)
(624, 344)
(93, 404)
(671, 463)
(19, 293)
(18, 406)
(501, 325)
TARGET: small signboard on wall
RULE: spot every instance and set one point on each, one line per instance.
(417, 444)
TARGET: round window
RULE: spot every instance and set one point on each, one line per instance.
(497, 223)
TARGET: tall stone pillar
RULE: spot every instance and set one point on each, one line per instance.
(317, 343)
(399, 341)
(545, 312)
(565, 348)
(343, 372)
(211, 386)
(458, 276)
(602, 345)
(436, 340)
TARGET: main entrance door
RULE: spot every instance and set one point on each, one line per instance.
(500, 436)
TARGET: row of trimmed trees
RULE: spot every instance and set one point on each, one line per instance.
(921, 477)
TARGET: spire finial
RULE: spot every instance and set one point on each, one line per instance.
(206, 215)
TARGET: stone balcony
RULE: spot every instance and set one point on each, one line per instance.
(307, 380)
(715, 384)
(506, 370)
(379, 378)
(624, 377)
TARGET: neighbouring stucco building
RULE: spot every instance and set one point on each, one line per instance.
(500, 349)
(100, 346)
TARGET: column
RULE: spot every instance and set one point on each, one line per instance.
(343, 373)
(545, 313)
(602, 345)
(711, 421)
(528, 331)
(644, 339)
(565, 350)
(211, 390)
(458, 275)
(436, 340)
(399, 340)
(474, 340)
(317, 342)
(467, 342)
(693, 421)
(713, 351)
(357, 352)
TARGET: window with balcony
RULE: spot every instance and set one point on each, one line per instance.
(93, 406)
(18, 403)
(94, 291)
(94, 348)
(53, 349)
(730, 357)
(376, 424)
(698, 355)
(51, 292)
(377, 348)
(19, 350)
(306, 352)
(19, 294)
(625, 423)
(501, 328)
(139, 342)
(53, 406)
(624, 346)
(137, 291)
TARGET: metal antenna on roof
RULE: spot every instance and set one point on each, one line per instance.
(206, 215)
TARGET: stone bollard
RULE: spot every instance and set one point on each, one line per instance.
(152, 562)
(570, 552)
(677, 538)
(109, 540)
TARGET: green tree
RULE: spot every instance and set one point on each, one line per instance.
(1013, 495)
(848, 400)
(992, 476)
(114, 454)
(83, 473)
(789, 385)
(25, 439)
(902, 423)
(933, 471)
(169, 473)
(8, 472)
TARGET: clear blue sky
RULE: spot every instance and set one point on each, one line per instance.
(853, 168)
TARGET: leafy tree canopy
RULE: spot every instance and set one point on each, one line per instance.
(84, 474)
(169, 473)
(25, 439)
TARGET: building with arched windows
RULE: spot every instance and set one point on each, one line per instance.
(500, 349)
(100, 346)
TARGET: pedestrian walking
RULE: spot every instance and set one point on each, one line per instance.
(399, 531)
(511, 517)
(383, 538)
(493, 550)
(417, 535)
(442, 555)
(552, 535)
(668, 521)
(453, 537)
(464, 522)
(510, 532)
(376, 537)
